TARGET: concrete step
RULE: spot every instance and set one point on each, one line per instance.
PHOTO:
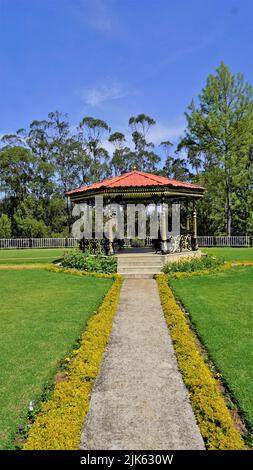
(138, 270)
(144, 263)
(138, 276)
(139, 265)
(139, 256)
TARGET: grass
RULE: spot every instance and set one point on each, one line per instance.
(230, 254)
(24, 256)
(221, 307)
(42, 314)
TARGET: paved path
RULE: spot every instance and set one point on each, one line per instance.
(139, 400)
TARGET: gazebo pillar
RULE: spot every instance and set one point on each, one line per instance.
(187, 217)
(194, 220)
(110, 235)
(110, 228)
(163, 224)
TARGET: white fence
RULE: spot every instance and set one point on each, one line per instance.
(225, 241)
(12, 243)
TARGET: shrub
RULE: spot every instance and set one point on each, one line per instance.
(92, 263)
(212, 415)
(190, 264)
(137, 243)
(5, 226)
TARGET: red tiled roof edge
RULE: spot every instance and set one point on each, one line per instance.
(135, 179)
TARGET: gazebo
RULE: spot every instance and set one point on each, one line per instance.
(140, 187)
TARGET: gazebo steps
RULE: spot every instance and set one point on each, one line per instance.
(138, 269)
(147, 265)
(138, 276)
(152, 259)
(139, 265)
(124, 263)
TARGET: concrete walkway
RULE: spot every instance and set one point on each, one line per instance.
(139, 400)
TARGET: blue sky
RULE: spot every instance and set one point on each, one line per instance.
(115, 58)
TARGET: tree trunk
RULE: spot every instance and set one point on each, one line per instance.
(228, 190)
(229, 211)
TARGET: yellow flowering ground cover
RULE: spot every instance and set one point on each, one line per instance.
(213, 417)
(203, 272)
(58, 424)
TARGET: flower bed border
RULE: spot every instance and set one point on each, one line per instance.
(203, 272)
(80, 272)
(212, 415)
(58, 424)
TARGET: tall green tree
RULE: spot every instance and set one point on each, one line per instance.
(63, 151)
(39, 142)
(122, 158)
(5, 226)
(174, 167)
(144, 158)
(219, 135)
(16, 172)
(94, 157)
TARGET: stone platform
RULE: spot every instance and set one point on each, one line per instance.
(145, 263)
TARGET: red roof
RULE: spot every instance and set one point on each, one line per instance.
(135, 179)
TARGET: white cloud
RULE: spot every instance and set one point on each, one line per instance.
(97, 95)
(99, 15)
(161, 132)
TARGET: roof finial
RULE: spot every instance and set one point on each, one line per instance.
(134, 168)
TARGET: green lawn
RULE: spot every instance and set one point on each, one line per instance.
(230, 254)
(24, 256)
(41, 315)
(221, 308)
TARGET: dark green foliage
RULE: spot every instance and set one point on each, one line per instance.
(92, 263)
(143, 158)
(219, 141)
(137, 243)
(174, 168)
(193, 264)
(38, 166)
(5, 226)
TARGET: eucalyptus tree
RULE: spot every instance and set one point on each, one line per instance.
(144, 157)
(16, 174)
(39, 142)
(174, 167)
(63, 151)
(94, 158)
(122, 158)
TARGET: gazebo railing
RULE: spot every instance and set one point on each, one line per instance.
(203, 241)
(225, 241)
(20, 243)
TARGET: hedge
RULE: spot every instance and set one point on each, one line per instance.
(212, 415)
(59, 422)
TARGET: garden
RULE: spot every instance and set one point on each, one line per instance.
(56, 321)
(214, 300)
(42, 315)
(220, 307)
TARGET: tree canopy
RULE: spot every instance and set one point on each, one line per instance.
(218, 142)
